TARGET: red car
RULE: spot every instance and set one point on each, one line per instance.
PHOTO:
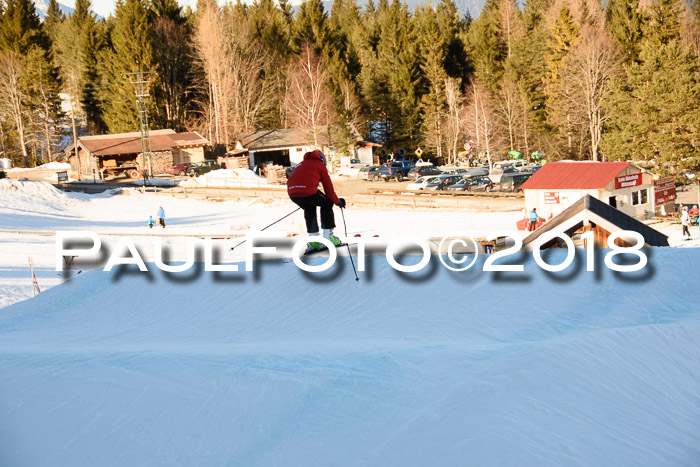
(180, 169)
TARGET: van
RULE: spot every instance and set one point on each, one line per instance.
(511, 182)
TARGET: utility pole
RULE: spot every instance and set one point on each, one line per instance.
(141, 81)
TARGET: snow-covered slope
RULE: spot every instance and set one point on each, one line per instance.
(278, 367)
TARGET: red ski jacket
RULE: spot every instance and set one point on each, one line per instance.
(306, 176)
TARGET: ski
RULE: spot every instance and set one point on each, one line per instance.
(321, 249)
(311, 253)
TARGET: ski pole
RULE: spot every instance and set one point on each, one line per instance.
(278, 220)
(348, 245)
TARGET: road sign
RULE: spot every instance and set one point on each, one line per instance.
(419, 151)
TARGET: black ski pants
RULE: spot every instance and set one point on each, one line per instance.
(309, 205)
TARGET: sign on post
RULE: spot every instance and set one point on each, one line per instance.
(62, 176)
(664, 190)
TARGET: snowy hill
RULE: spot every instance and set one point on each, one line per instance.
(281, 368)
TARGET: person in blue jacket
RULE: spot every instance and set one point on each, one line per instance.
(533, 220)
(161, 216)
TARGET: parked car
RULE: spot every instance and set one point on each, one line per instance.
(455, 171)
(529, 169)
(512, 182)
(395, 170)
(180, 169)
(420, 183)
(499, 171)
(369, 173)
(472, 184)
(477, 172)
(441, 182)
(423, 170)
(202, 168)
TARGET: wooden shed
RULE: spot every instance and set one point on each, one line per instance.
(101, 155)
(591, 214)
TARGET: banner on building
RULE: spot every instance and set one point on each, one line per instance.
(627, 181)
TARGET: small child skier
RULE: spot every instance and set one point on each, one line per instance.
(150, 222)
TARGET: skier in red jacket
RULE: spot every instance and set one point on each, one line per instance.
(302, 188)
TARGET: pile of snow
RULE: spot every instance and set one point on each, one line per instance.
(49, 166)
(31, 196)
(280, 367)
(229, 178)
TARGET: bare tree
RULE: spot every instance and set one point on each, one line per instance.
(508, 109)
(172, 57)
(233, 65)
(587, 71)
(308, 101)
(483, 120)
(211, 55)
(13, 96)
(455, 121)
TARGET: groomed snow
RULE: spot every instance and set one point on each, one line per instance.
(282, 367)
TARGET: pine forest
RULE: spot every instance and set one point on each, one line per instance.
(573, 79)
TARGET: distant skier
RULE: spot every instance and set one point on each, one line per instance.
(533, 220)
(150, 222)
(685, 221)
(161, 216)
(302, 188)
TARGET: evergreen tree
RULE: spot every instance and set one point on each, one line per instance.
(131, 52)
(54, 17)
(487, 49)
(167, 9)
(433, 101)
(310, 25)
(272, 25)
(563, 38)
(21, 33)
(664, 23)
(396, 89)
(91, 95)
(654, 107)
(625, 23)
(20, 28)
(172, 58)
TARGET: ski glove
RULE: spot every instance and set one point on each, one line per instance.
(341, 203)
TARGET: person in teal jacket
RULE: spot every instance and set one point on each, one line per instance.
(533, 220)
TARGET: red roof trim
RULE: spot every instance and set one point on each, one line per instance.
(574, 175)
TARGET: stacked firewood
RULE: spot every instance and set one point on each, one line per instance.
(275, 174)
(239, 162)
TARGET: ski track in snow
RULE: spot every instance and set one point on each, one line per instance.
(280, 367)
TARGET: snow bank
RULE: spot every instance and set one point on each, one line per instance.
(48, 166)
(229, 178)
(283, 368)
(31, 195)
